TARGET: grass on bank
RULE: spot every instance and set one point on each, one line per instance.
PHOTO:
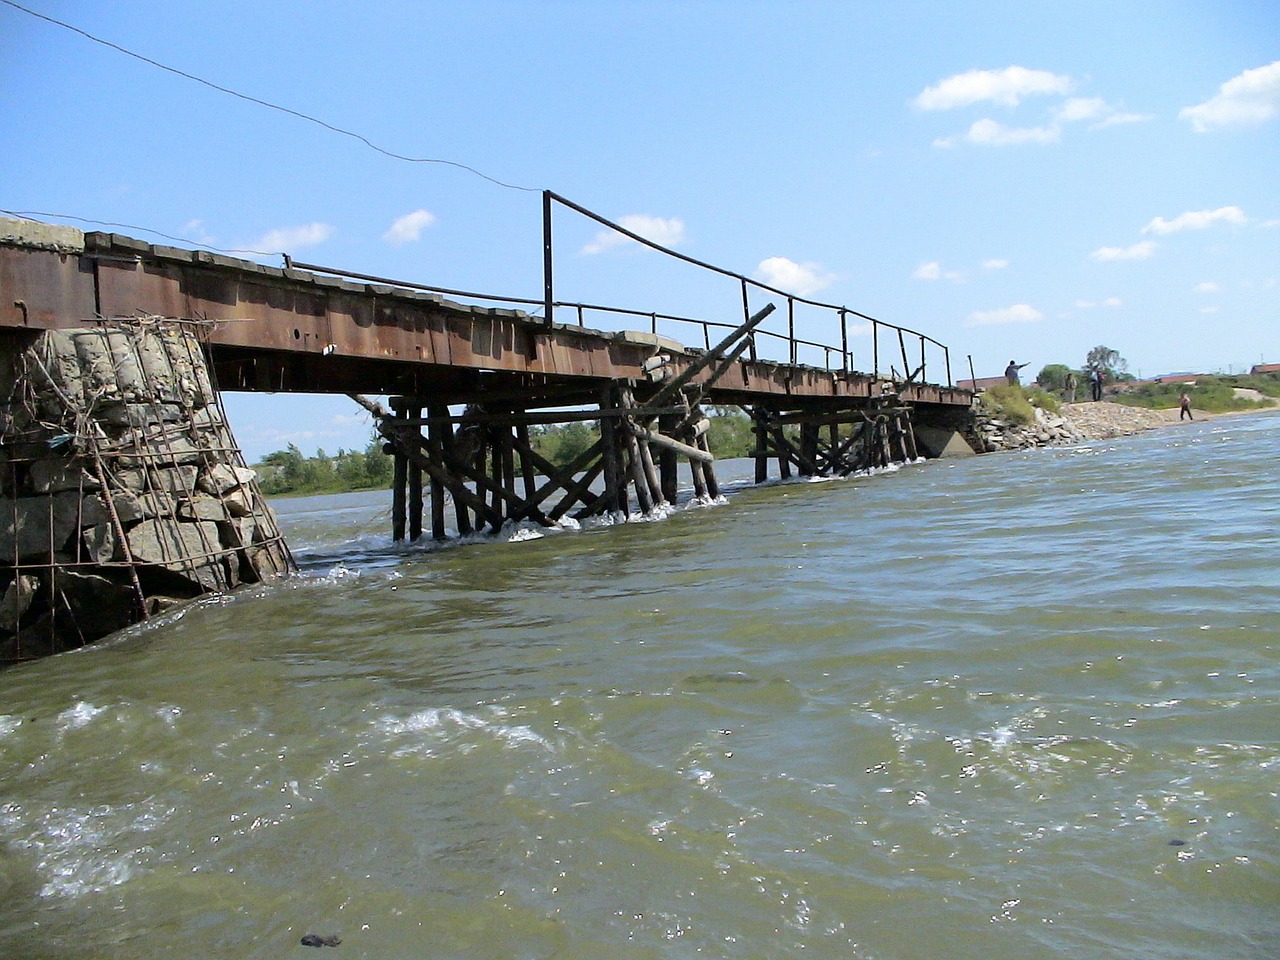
(1016, 404)
(1212, 394)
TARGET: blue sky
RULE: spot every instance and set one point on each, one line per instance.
(1023, 180)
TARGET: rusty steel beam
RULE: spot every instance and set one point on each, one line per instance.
(281, 329)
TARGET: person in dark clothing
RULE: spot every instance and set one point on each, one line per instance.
(1095, 382)
(1011, 372)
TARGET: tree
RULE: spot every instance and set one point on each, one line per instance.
(1053, 376)
(1107, 361)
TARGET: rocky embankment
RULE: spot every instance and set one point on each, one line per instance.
(1077, 423)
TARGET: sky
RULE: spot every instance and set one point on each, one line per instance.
(1016, 180)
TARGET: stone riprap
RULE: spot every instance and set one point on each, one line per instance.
(121, 487)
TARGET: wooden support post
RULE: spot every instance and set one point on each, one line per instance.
(415, 483)
(527, 472)
(783, 447)
(761, 419)
(399, 484)
(435, 450)
(708, 468)
(910, 430)
(668, 461)
(508, 464)
(448, 455)
(808, 448)
(613, 501)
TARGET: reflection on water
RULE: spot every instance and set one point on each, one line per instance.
(1018, 705)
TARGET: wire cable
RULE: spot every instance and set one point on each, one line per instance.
(266, 103)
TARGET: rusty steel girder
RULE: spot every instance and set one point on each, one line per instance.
(281, 329)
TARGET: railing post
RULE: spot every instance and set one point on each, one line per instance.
(875, 349)
(548, 291)
(922, 360)
(844, 340)
(946, 355)
(902, 345)
(791, 327)
(653, 323)
(973, 377)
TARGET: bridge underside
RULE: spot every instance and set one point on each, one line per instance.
(271, 329)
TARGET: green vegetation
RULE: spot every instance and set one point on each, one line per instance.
(1212, 394)
(732, 433)
(562, 442)
(1113, 366)
(289, 472)
(1053, 376)
(1017, 404)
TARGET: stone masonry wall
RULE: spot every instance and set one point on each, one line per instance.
(122, 489)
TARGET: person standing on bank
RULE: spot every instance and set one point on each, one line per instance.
(1011, 372)
(1095, 382)
(1184, 403)
(1069, 386)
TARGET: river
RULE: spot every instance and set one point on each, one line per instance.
(1022, 705)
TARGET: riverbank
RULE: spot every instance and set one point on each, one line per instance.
(1078, 423)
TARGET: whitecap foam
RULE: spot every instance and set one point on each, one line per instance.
(81, 715)
(447, 726)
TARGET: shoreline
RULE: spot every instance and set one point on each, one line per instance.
(1079, 423)
(1105, 420)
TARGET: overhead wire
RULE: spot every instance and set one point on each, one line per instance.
(267, 103)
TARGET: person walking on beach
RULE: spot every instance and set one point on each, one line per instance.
(1095, 382)
(1069, 386)
(1184, 404)
(1011, 372)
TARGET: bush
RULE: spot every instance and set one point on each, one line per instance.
(1007, 402)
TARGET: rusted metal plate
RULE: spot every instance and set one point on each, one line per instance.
(45, 289)
(285, 329)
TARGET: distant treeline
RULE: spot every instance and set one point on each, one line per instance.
(289, 471)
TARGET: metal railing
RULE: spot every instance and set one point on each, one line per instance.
(910, 370)
(794, 346)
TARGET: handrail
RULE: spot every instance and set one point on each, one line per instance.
(549, 303)
(549, 198)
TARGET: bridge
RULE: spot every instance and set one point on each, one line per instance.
(308, 328)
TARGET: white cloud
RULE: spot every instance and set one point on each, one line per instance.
(1007, 87)
(285, 239)
(1244, 101)
(991, 133)
(1018, 313)
(1207, 287)
(1118, 119)
(1209, 309)
(799, 278)
(1111, 302)
(933, 271)
(1139, 251)
(666, 232)
(1195, 220)
(408, 229)
(994, 264)
(1082, 108)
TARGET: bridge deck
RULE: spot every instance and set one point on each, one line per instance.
(280, 329)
